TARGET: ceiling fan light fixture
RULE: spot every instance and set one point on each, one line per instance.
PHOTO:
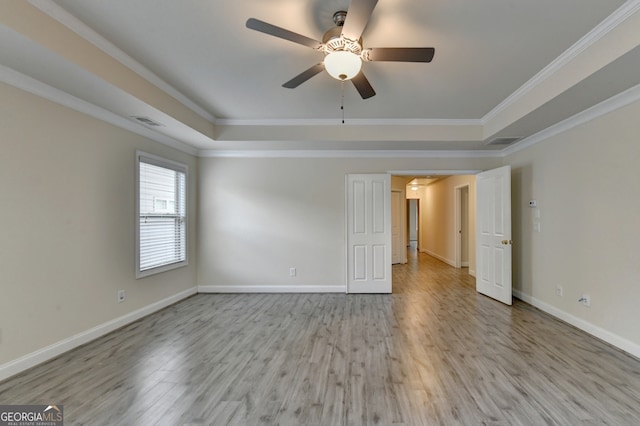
(342, 65)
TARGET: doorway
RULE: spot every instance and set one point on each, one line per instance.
(413, 215)
(369, 197)
(443, 207)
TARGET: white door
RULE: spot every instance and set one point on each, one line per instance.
(493, 216)
(397, 246)
(369, 233)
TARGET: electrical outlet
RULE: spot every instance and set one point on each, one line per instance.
(559, 291)
(121, 296)
(585, 300)
(292, 272)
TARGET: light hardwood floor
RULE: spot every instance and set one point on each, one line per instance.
(434, 352)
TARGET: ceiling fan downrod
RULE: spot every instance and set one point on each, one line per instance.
(339, 17)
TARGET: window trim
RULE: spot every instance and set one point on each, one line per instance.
(167, 164)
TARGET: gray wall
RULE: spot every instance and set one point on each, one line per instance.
(261, 216)
(587, 184)
(67, 185)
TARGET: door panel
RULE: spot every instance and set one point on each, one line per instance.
(379, 262)
(494, 245)
(360, 262)
(379, 213)
(359, 211)
(369, 233)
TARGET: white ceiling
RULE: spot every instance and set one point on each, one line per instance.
(492, 75)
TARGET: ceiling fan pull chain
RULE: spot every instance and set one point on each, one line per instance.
(342, 99)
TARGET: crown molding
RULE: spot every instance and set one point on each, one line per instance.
(348, 122)
(614, 103)
(347, 154)
(431, 172)
(38, 88)
(74, 24)
(593, 36)
(618, 101)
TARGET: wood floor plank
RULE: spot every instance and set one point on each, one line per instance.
(432, 353)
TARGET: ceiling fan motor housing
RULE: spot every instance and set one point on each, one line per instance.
(342, 44)
(334, 42)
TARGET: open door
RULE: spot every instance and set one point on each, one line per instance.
(493, 222)
(369, 233)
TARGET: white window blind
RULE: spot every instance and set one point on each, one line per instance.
(161, 219)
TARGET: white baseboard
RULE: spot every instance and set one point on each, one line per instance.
(602, 334)
(41, 355)
(272, 289)
(450, 262)
(441, 258)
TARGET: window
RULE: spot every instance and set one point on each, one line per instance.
(161, 219)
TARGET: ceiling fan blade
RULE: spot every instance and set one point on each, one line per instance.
(357, 17)
(400, 54)
(304, 76)
(363, 86)
(264, 27)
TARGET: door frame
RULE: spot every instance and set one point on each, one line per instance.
(458, 221)
(401, 257)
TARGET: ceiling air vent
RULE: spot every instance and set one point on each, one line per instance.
(503, 141)
(147, 121)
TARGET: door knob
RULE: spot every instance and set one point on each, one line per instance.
(505, 242)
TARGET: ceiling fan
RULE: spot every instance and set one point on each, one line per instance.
(342, 47)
